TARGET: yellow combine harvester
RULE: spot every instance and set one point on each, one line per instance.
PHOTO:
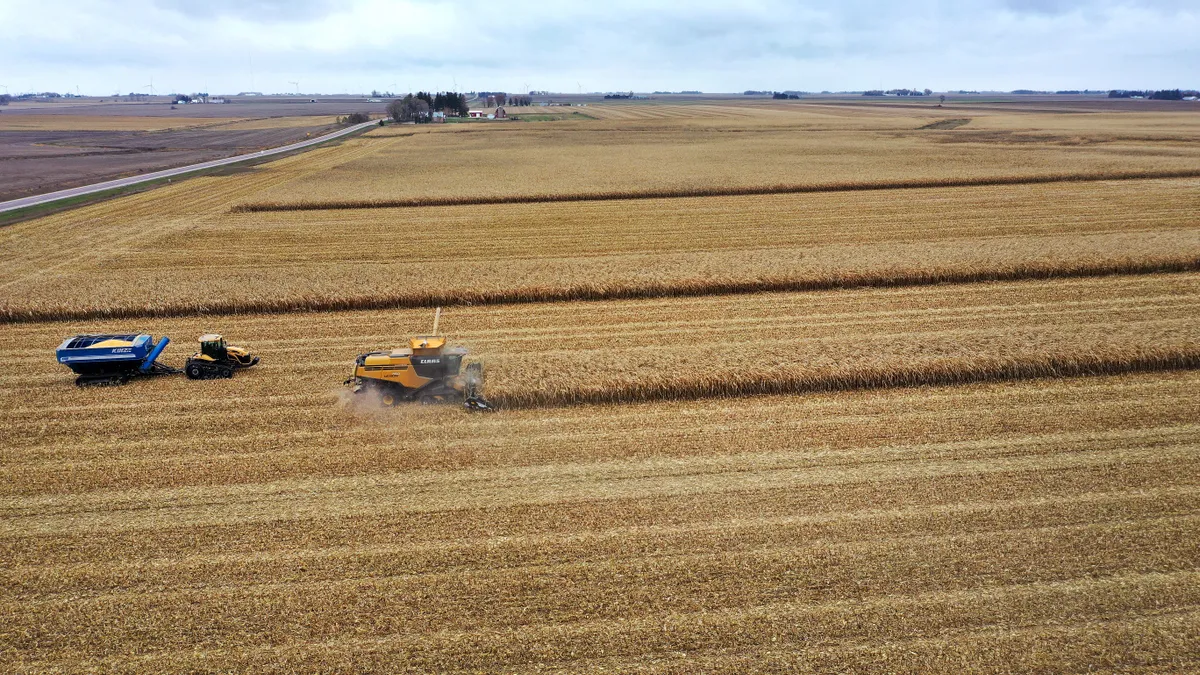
(425, 372)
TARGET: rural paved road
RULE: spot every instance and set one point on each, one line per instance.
(167, 173)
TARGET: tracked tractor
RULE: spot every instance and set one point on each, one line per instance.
(217, 359)
(426, 372)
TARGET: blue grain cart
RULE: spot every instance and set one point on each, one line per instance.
(100, 359)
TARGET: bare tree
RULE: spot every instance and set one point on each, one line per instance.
(420, 110)
(395, 110)
(409, 109)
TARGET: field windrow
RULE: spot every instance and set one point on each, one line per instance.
(682, 193)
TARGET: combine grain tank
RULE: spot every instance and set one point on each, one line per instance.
(100, 359)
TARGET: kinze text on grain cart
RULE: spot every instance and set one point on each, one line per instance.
(104, 359)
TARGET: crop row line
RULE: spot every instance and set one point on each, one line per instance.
(727, 191)
(947, 372)
(619, 291)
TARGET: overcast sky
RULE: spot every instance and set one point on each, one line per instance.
(336, 46)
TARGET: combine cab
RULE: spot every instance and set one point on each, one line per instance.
(113, 359)
(425, 372)
(217, 359)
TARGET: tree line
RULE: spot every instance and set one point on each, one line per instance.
(898, 92)
(495, 99)
(420, 107)
(1160, 95)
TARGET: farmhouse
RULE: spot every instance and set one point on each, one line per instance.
(499, 114)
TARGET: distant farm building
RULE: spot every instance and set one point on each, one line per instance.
(476, 114)
(500, 114)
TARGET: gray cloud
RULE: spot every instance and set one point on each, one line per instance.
(356, 45)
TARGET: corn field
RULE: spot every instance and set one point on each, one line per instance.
(754, 151)
(201, 259)
(937, 429)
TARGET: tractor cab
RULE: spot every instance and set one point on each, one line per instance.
(213, 346)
